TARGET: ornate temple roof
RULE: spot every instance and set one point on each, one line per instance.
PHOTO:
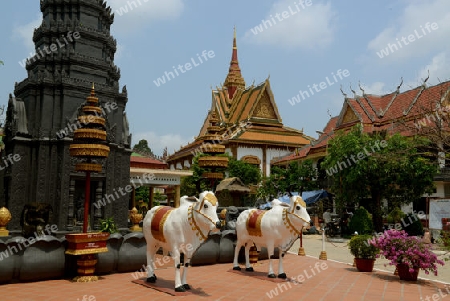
(391, 111)
(394, 112)
(245, 114)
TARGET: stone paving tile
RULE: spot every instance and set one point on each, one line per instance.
(337, 281)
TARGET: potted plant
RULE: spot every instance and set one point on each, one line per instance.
(108, 225)
(408, 253)
(364, 252)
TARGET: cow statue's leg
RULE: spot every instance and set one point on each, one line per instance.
(270, 251)
(281, 273)
(152, 248)
(248, 266)
(187, 261)
(239, 244)
(176, 258)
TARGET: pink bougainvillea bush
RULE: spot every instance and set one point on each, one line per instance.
(398, 247)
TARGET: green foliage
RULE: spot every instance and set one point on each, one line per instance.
(444, 240)
(1, 63)
(194, 184)
(360, 247)
(367, 168)
(108, 225)
(412, 225)
(142, 193)
(248, 173)
(143, 149)
(187, 186)
(395, 216)
(158, 197)
(298, 176)
(361, 222)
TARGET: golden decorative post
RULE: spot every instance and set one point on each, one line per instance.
(301, 250)
(323, 254)
(5, 218)
(135, 219)
(89, 146)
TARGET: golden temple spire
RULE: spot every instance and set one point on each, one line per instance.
(234, 38)
(234, 77)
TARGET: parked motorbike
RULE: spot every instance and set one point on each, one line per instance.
(333, 228)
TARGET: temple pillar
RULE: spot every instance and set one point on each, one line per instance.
(177, 196)
(150, 197)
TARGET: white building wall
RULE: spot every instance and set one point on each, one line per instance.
(187, 164)
(250, 151)
(439, 190)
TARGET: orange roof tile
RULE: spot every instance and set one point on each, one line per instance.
(272, 138)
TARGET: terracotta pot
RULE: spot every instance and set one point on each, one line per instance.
(404, 274)
(364, 264)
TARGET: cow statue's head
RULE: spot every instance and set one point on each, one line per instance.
(207, 207)
(298, 208)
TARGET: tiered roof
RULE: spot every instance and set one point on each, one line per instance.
(394, 112)
(245, 115)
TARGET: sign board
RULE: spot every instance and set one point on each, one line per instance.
(439, 209)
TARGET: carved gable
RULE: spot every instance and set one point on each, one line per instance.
(264, 108)
(349, 116)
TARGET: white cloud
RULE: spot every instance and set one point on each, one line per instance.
(25, 32)
(376, 88)
(134, 14)
(436, 69)
(305, 28)
(157, 143)
(412, 23)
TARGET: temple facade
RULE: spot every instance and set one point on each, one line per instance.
(74, 50)
(246, 121)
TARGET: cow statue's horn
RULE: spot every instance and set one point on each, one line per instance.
(191, 199)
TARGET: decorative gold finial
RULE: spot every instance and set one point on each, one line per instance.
(5, 217)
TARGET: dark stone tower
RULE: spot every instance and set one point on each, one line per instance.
(74, 49)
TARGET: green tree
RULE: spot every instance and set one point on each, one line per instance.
(361, 222)
(143, 149)
(142, 193)
(194, 184)
(248, 173)
(367, 168)
(1, 63)
(297, 176)
(187, 186)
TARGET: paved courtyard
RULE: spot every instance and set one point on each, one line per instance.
(314, 279)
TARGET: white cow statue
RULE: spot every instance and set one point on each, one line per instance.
(179, 230)
(277, 227)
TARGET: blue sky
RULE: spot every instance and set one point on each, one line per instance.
(301, 47)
